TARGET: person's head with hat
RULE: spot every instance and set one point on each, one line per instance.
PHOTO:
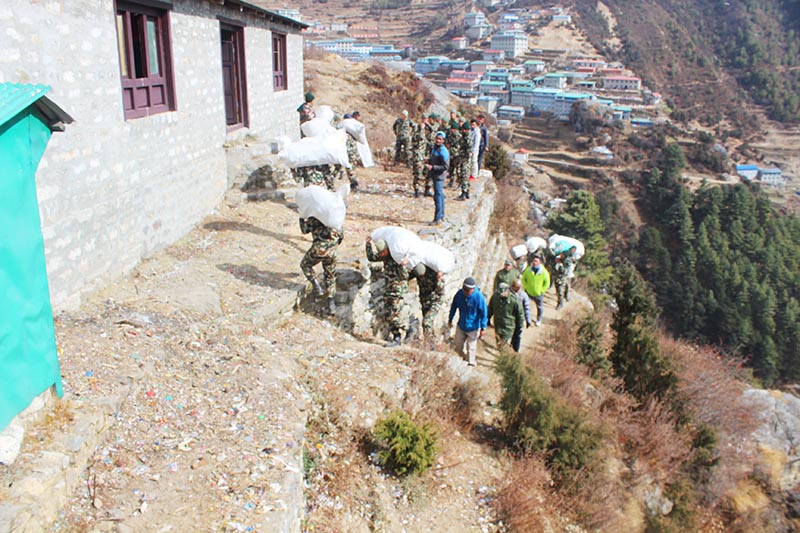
(465, 126)
(356, 115)
(503, 290)
(469, 286)
(404, 114)
(439, 138)
(508, 265)
(347, 115)
(309, 97)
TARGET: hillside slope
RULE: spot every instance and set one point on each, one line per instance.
(709, 56)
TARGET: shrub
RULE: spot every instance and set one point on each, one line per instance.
(496, 159)
(590, 346)
(539, 423)
(409, 448)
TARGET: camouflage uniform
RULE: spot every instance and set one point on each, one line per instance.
(466, 165)
(323, 250)
(396, 288)
(353, 158)
(314, 175)
(454, 147)
(402, 129)
(431, 298)
(562, 270)
(419, 152)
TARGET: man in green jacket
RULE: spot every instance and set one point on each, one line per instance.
(508, 315)
(536, 281)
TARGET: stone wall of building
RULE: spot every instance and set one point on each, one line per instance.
(113, 191)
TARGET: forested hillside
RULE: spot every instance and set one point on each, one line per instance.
(708, 55)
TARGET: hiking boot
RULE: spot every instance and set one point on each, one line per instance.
(559, 306)
(538, 323)
(428, 192)
(466, 196)
(417, 194)
(317, 287)
(354, 184)
(396, 341)
(472, 178)
(566, 298)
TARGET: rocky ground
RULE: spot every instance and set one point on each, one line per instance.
(212, 384)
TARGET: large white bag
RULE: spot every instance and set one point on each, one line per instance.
(366, 154)
(325, 112)
(354, 128)
(534, 243)
(437, 257)
(324, 205)
(560, 243)
(311, 151)
(403, 244)
(317, 127)
(519, 251)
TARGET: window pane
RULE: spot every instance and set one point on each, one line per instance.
(123, 56)
(137, 36)
(152, 47)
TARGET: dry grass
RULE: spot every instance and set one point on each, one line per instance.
(511, 208)
(55, 420)
(436, 394)
(526, 501)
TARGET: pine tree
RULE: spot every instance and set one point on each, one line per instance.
(636, 355)
(590, 346)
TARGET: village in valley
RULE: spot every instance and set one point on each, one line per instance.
(522, 65)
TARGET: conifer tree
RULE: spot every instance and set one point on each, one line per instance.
(636, 355)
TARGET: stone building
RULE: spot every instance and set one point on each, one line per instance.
(158, 90)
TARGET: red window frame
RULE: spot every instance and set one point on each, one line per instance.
(279, 76)
(145, 56)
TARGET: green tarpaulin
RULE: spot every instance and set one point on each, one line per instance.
(28, 359)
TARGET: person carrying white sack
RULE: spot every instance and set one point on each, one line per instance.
(322, 215)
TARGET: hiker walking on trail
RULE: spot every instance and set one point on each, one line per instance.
(437, 166)
(536, 281)
(402, 130)
(323, 250)
(506, 275)
(396, 288)
(506, 309)
(431, 297)
(306, 111)
(472, 319)
(564, 266)
(516, 290)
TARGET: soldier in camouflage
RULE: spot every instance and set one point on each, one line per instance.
(396, 288)
(431, 297)
(323, 250)
(454, 147)
(419, 153)
(322, 175)
(402, 129)
(352, 158)
(563, 268)
(466, 164)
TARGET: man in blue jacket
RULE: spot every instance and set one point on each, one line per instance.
(472, 319)
(438, 164)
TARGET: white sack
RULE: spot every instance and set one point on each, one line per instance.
(365, 154)
(311, 151)
(325, 112)
(317, 127)
(534, 243)
(437, 257)
(324, 205)
(354, 128)
(403, 244)
(519, 251)
(560, 243)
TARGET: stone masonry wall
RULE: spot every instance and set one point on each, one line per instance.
(113, 191)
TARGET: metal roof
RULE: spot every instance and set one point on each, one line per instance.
(16, 97)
